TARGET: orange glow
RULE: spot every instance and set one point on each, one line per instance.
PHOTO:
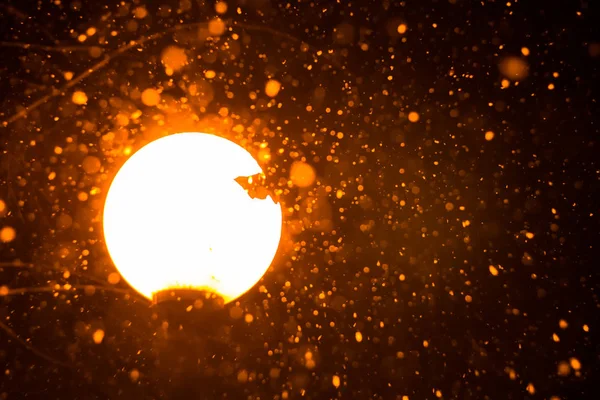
(514, 68)
(221, 7)
(79, 98)
(91, 164)
(302, 174)
(272, 87)
(216, 27)
(175, 217)
(174, 58)
(7, 234)
(150, 97)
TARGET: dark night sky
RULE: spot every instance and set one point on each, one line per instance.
(445, 256)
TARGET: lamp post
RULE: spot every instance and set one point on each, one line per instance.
(191, 328)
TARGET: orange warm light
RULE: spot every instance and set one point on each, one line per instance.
(175, 217)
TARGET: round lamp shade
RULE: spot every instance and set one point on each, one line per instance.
(175, 218)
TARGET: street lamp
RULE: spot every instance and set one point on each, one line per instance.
(178, 225)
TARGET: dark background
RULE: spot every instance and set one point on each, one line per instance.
(403, 256)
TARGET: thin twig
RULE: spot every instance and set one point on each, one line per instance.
(15, 264)
(30, 347)
(33, 46)
(67, 288)
(21, 291)
(274, 32)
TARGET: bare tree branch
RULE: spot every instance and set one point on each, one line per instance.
(67, 288)
(15, 264)
(59, 49)
(30, 347)
(134, 43)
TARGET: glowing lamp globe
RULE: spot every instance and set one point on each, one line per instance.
(175, 218)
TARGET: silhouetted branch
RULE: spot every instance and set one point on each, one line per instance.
(33, 46)
(135, 43)
(30, 347)
(15, 264)
(67, 288)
